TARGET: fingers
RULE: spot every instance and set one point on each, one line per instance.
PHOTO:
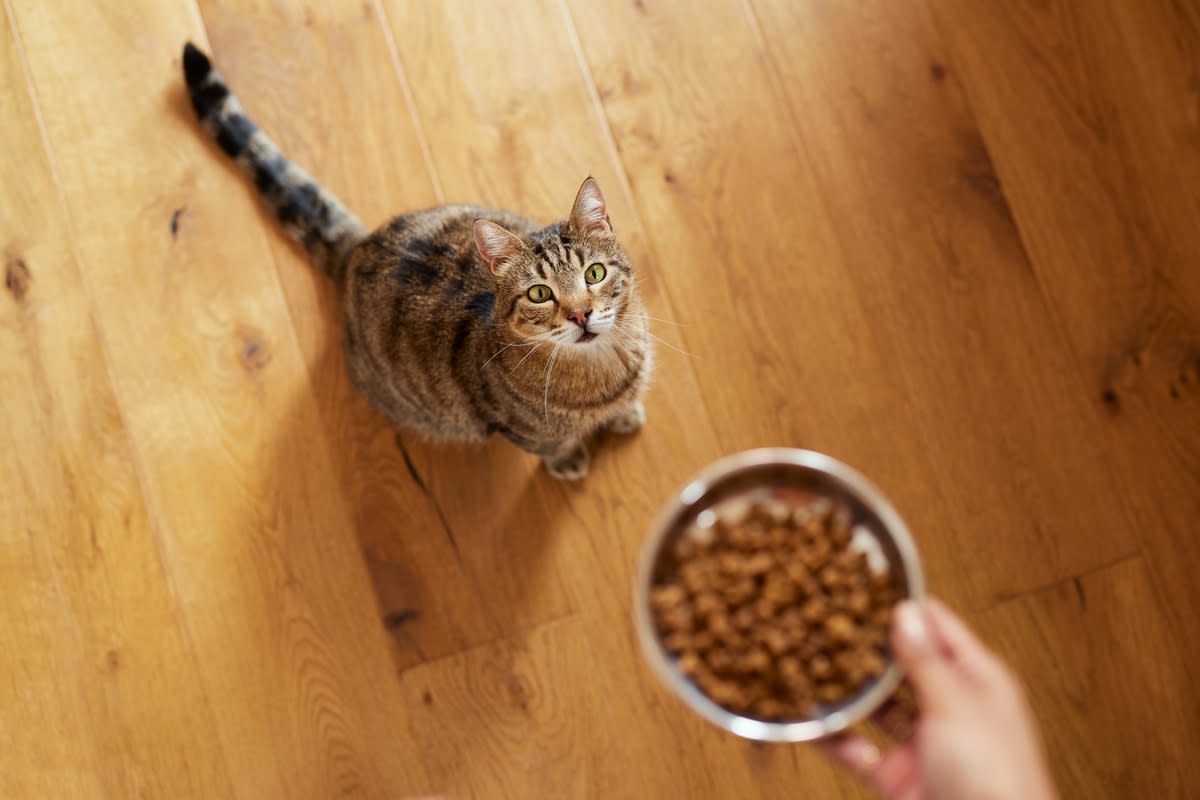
(960, 643)
(936, 682)
(855, 754)
(955, 638)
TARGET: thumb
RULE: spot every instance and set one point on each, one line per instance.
(927, 667)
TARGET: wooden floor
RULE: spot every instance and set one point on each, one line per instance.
(953, 242)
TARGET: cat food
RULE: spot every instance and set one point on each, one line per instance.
(775, 605)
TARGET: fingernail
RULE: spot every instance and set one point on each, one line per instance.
(913, 629)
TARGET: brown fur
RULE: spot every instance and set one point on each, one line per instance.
(442, 333)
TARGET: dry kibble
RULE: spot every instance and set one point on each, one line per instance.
(779, 537)
(695, 575)
(813, 644)
(765, 607)
(831, 577)
(881, 618)
(779, 587)
(689, 664)
(731, 563)
(830, 693)
(875, 637)
(872, 662)
(679, 618)
(820, 667)
(853, 563)
(774, 612)
(745, 618)
(840, 628)
(816, 554)
(815, 610)
(753, 661)
(792, 619)
(685, 548)
(769, 708)
(858, 603)
(724, 692)
(677, 642)
(758, 564)
(801, 708)
(740, 590)
(708, 603)
(839, 600)
(720, 660)
(667, 597)
(776, 640)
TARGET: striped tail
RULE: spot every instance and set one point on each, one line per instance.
(311, 215)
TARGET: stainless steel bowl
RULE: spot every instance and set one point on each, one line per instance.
(783, 468)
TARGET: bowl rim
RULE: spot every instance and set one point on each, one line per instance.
(696, 489)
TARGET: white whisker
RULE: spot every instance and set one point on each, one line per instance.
(660, 319)
(664, 342)
(546, 395)
(502, 349)
(527, 355)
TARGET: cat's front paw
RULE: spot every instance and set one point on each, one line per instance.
(629, 420)
(570, 465)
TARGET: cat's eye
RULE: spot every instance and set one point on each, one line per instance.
(595, 273)
(539, 293)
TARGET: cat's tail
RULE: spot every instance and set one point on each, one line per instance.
(311, 215)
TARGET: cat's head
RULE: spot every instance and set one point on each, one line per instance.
(570, 284)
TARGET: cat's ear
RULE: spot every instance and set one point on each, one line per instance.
(497, 245)
(589, 217)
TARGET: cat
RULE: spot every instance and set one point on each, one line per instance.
(462, 322)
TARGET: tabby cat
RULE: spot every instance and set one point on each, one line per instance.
(462, 322)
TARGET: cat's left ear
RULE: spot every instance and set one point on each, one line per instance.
(589, 217)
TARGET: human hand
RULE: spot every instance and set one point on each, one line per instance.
(975, 738)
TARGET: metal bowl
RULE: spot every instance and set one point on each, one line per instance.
(741, 474)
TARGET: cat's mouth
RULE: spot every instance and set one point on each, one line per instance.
(585, 337)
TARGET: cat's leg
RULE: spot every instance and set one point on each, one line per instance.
(567, 461)
(628, 419)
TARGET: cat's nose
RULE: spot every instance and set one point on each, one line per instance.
(580, 316)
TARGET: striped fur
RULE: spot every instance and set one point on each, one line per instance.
(312, 216)
(443, 335)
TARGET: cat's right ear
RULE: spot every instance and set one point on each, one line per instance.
(497, 245)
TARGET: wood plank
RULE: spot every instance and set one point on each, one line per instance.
(210, 379)
(943, 276)
(1109, 682)
(99, 685)
(1089, 110)
(534, 717)
(321, 82)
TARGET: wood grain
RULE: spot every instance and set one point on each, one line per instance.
(209, 378)
(1102, 169)
(92, 646)
(924, 222)
(953, 244)
(1112, 684)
